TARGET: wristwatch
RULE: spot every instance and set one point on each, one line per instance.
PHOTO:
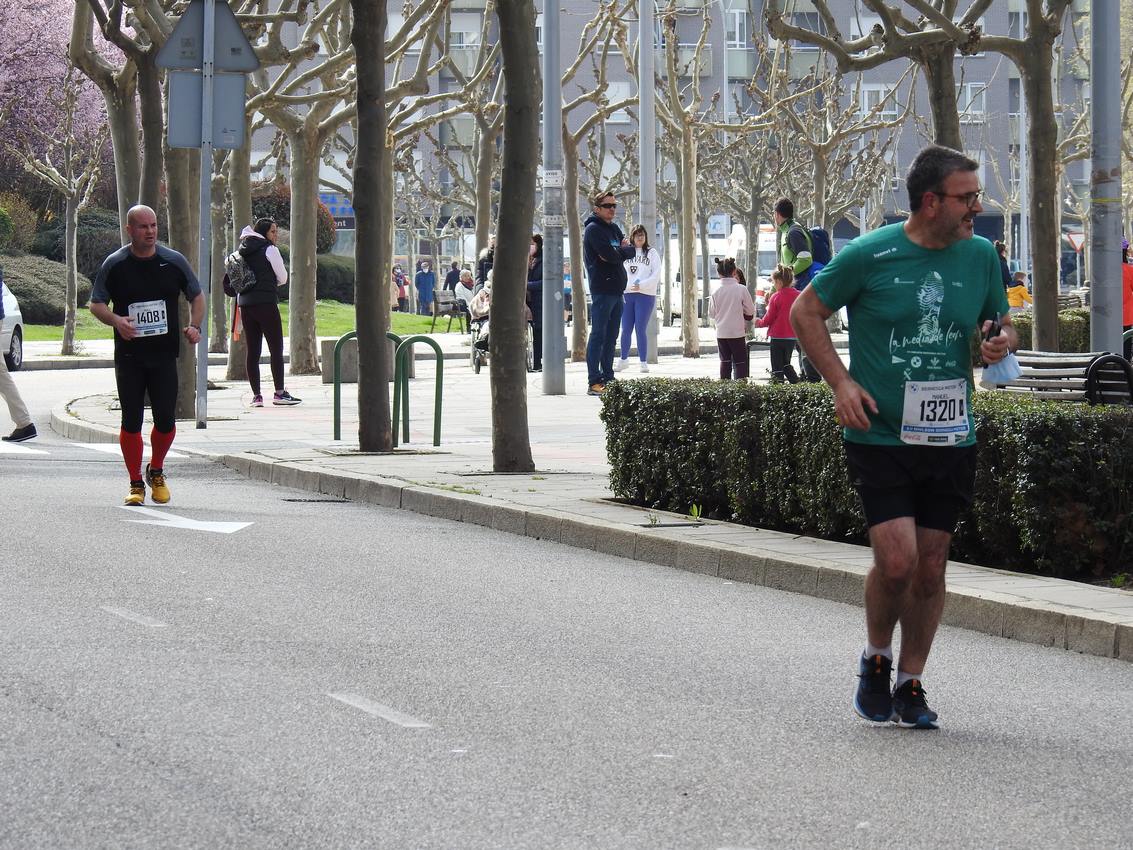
(197, 328)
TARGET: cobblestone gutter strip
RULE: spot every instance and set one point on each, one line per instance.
(998, 614)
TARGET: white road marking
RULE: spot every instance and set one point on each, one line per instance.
(19, 449)
(662, 756)
(169, 520)
(382, 711)
(134, 617)
(115, 449)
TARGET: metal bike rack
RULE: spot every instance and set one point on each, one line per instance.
(401, 387)
(342, 340)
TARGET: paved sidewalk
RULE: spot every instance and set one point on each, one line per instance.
(568, 500)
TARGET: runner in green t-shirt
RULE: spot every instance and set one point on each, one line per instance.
(915, 292)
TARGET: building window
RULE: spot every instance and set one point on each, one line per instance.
(736, 26)
(872, 94)
(862, 24)
(616, 91)
(971, 102)
(464, 29)
(808, 21)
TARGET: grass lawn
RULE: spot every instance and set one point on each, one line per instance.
(331, 319)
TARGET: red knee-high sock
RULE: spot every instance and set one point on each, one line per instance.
(131, 444)
(159, 442)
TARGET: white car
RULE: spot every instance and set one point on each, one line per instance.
(12, 331)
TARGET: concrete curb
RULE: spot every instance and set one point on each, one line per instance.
(997, 614)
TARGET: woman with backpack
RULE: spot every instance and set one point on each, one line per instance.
(259, 307)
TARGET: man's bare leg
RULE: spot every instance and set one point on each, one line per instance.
(924, 600)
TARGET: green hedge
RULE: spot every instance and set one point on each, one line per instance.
(1073, 329)
(334, 277)
(41, 287)
(99, 236)
(1053, 492)
(273, 200)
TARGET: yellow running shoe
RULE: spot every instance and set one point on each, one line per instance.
(137, 494)
(159, 491)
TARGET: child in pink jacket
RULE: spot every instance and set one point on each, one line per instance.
(778, 324)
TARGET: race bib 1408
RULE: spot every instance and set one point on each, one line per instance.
(149, 317)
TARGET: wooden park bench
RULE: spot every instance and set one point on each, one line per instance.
(1093, 377)
(446, 304)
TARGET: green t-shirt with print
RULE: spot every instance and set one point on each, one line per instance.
(912, 312)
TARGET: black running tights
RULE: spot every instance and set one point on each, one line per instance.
(135, 377)
(261, 321)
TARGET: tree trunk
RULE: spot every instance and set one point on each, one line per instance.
(182, 237)
(578, 320)
(153, 138)
(688, 244)
(667, 263)
(511, 445)
(705, 269)
(304, 202)
(485, 159)
(1042, 139)
(218, 328)
(240, 191)
(373, 210)
(119, 91)
(72, 300)
(938, 62)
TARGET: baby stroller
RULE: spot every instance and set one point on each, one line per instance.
(478, 354)
(478, 350)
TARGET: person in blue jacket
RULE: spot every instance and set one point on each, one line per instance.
(604, 252)
(425, 281)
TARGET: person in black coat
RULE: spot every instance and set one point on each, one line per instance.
(1004, 269)
(535, 299)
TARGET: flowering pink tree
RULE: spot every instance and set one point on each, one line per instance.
(34, 39)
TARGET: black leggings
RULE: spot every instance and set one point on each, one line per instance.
(782, 349)
(262, 321)
(136, 377)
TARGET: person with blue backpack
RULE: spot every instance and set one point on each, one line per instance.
(805, 252)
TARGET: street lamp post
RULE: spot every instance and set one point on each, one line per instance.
(647, 144)
(554, 332)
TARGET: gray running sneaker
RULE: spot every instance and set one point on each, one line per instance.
(873, 700)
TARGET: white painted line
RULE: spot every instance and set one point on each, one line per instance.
(19, 449)
(382, 711)
(662, 756)
(168, 520)
(115, 449)
(134, 617)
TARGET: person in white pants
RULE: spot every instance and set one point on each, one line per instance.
(25, 430)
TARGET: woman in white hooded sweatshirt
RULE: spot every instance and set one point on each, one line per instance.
(259, 308)
(642, 273)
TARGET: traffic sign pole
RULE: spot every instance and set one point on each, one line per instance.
(204, 249)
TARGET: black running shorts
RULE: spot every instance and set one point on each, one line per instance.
(931, 484)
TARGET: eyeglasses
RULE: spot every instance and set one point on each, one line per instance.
(608, 206)
(969, 199)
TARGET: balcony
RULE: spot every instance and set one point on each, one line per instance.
(465, 58)
(741, 63)
(685, 53)
(458, 132)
